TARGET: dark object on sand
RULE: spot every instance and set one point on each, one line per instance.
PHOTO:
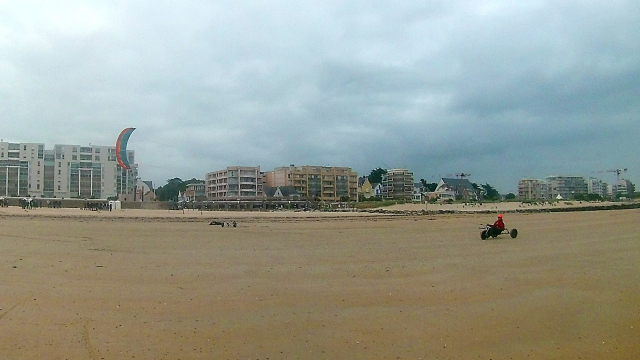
(223, 224)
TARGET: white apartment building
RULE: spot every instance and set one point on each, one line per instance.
(67, 171)
(21, 168)
(598, 187)
(566, 187)
(235, 183)
(622, 188)
(563, 187)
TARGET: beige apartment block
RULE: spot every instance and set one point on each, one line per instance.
(235, 183)
(397, 184)
(323, 183)
(530, 189)
(67, 171)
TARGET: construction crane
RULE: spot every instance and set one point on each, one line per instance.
(616, 171)
(459, 175)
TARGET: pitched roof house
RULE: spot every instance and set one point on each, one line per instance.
(281, 192)
(456, 189)
(364, 187)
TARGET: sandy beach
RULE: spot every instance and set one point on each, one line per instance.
(149, 284)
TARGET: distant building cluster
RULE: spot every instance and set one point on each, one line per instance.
(571, 187)
(314, 183)
(92, 172)
(68, 171)
(398, 184)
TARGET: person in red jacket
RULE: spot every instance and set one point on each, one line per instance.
(497, 226)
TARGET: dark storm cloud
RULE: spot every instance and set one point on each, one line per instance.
(498, 89)
(567, 58)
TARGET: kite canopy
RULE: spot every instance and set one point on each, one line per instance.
(121, 148)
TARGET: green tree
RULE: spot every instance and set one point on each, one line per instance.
(510, 196)
(428, 186)
(375, 177)
(490, 193)
(171, 189)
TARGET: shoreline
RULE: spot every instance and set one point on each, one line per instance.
(399, 210)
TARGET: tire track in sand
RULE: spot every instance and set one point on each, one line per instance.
(87, 340)
(27, 298)
(11, 308)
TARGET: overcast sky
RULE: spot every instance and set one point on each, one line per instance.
(498, 89)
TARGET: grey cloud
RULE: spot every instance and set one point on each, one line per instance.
(498, 89)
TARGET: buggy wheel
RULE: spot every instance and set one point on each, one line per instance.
(483, 235)
(514, 233)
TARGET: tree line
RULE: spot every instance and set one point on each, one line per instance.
(172, 189)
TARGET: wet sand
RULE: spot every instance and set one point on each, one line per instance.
(164, 285)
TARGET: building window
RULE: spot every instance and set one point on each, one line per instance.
(74, 157)
(75, 149)
(59, 173)
(97, 157)
(97, 150)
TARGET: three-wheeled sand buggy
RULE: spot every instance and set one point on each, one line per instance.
(491, 232)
